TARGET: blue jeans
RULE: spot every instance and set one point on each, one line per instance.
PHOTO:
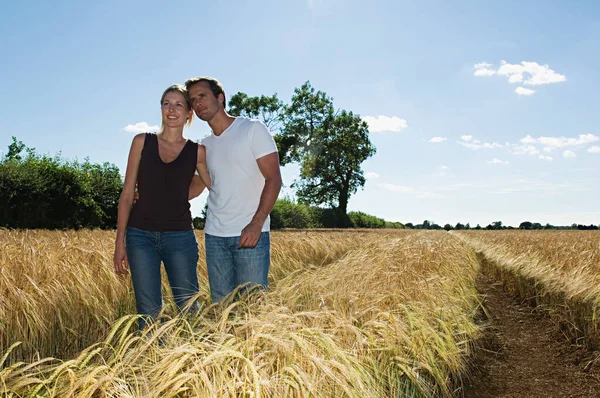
(178, 251)
(229, 266)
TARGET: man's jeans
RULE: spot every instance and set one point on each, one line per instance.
(229, 266)
(178, 250)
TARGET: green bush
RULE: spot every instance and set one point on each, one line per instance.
(287, 214)
(359, 219)
(39, 191)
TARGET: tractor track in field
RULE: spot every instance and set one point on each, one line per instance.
(524, 355)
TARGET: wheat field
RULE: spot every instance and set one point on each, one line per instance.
(347, 314)
(556, 271)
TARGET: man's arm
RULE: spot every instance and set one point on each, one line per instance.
(196, 187)
(269, 167)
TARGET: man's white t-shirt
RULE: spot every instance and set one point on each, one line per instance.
(236, 180)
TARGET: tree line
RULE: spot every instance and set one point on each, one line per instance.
(497, 225)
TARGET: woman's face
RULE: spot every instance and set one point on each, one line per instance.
(175, 111)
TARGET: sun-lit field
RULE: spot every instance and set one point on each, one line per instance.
(353, 313)
(556, 270)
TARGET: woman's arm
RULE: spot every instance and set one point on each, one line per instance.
(125, 202)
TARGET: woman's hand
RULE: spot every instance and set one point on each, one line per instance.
(120, 259)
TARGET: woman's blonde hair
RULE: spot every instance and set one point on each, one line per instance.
(178, 88)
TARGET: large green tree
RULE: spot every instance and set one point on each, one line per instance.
(331, 169)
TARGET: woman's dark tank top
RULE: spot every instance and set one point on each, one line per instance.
(163, 189)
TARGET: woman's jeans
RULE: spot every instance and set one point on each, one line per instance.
(178, 251)
(229, 266)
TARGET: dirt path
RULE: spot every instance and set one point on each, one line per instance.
(524, 355)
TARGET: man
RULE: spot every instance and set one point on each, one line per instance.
(243, 163)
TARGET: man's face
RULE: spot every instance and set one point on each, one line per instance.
(204, 103)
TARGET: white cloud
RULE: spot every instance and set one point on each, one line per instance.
(525, 150)
(594, 149)
(537, 74)
(527, 73)
(544, 157)
(484, 69)
(141, 127)
(477, 146)
(445, 168)
(569, 154)
(371, 175)
(384, 123)
(528, 140)
(397, 188)
(524, 91)
(551, 143)
(438, 139)
(497, 161)
(516, 78)
(466, 137)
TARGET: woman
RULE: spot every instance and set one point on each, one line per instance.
(159, 227)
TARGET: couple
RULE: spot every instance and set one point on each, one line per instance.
(238, 163)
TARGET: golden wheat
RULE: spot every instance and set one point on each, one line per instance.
(557, 270)
(348, 314)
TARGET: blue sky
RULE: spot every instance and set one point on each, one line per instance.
(480, 111)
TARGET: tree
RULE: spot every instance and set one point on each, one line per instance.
(495, 225)
(268, 110)
(331, 170)
(15, 149)
(448, 227)
(526, 225)
(309, 113)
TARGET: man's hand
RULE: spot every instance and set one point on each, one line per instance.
(136, 195)
(120, 260)
(250, 235)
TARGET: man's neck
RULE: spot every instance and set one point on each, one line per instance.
(220, 122)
